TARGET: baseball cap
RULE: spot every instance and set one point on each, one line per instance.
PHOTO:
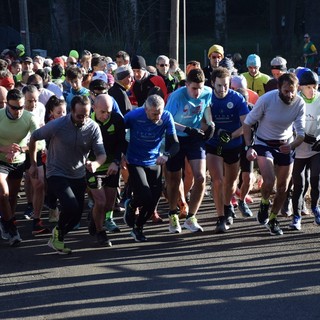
(28, 60)
(279, 63)
(101, 75)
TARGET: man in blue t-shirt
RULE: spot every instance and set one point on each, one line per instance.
(189, 107)
(229, 110)
(148, 124)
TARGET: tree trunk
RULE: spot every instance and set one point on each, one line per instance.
(221, 22)
(60, 40)
(174, 30)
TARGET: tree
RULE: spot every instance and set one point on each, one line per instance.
(221, 22)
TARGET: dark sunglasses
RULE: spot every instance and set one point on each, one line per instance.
(73, 63)
(14, 107)
(163, 65)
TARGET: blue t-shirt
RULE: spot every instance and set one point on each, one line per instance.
(146, 136)
(226, 114)
(186, 110)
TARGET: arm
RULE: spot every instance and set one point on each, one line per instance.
(33, 171)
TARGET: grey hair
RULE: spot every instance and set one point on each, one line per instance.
(154, 101)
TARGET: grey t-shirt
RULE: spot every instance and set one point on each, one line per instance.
(277, 119)
(69, 146)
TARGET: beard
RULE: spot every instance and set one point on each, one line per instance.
(285, 99)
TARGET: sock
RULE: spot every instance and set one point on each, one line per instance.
(172, 212)
(272, 216)
(190, 215)
(265, 201)
(109, 214)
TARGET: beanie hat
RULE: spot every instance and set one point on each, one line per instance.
(299, 71)
(138, 62)
(20, 47)
(279, 63)
(57, 71)
(122, 72)
(308, 77)
(7, 82)
(58, 60)
(217, 49)
(238, 82)
(227, 63)
(101, 75)
(74, 54)
(98, 84)
(253, 60)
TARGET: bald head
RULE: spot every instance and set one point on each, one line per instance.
(102, 107)
(3, 97)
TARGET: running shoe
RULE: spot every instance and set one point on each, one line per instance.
(56, 243)
(174, 224)
(274, 228)
(102, 239)
(28, 213)
(263, 213)
(221, 226)
(111, 226)
(54, 215)
(316, 212)
(296, 223)
(138, 235)
(244, 209)
(192, 225)
(39, 228)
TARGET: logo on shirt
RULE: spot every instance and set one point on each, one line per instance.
(230, 105)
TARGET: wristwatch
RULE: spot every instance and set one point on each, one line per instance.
(246, 148)
(167, 154)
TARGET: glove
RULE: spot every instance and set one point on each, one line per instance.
(194, 132)
(208, 133)
(316, 146)
(224, 136)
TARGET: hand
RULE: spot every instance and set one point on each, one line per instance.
(208, 133)
(162, 160)
(224, 136)
(113, 169)
(251, 154)
(285, 148)
(194, 132)
(91, 166)
(316, 146)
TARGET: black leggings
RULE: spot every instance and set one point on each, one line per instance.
(146, 185)
(70, 193)
(299, 181)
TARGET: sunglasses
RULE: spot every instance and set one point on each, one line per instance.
(14, 107)
(73, 63)
(163, 65)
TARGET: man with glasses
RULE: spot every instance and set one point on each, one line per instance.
(15, 125)
(71, 139)
(215, 55)
(162, 65)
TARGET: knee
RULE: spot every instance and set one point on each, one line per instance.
(199, 179)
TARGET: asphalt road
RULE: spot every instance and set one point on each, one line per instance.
(244, 274)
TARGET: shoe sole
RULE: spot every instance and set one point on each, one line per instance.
(15, 243)
(42, 231)
(50, 244)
